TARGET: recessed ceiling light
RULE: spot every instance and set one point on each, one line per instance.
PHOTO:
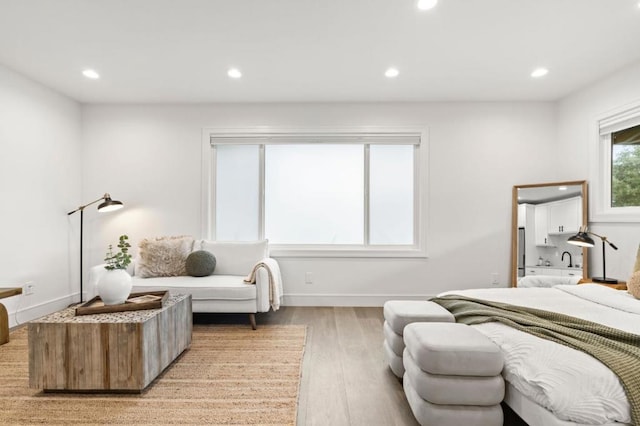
(539, 72)
(92, 74)
(427, 4)
(562, 188)
(391, 73)
(234, 73)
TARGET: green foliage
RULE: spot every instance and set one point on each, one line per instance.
(625, 178)
(121, 259)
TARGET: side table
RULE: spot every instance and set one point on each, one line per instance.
(621, 285)
(4, 316)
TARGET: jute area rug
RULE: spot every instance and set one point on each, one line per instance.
(231, 375)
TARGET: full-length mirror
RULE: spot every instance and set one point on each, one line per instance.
(544, 216)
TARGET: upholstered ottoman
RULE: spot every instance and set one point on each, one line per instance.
(399, 313)
(452, 375)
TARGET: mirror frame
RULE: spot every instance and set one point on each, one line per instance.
(514, 224)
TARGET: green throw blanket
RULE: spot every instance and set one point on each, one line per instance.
(618, 350)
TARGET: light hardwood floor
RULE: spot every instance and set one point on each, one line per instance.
(345, 380)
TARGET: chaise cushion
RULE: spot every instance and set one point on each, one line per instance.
(234, 258)
(213, 287)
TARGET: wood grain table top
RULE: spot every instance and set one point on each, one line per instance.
(9, 291)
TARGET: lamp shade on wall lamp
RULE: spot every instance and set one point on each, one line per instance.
(107, 205)
(583, 239)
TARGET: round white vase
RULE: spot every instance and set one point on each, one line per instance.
(114, 287)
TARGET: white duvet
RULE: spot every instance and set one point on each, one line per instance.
(569, 383)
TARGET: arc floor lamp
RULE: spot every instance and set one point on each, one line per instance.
(107, 205)
(583, 239)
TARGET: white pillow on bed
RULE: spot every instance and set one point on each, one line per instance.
(546, 280)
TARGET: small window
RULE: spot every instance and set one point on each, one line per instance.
(616, 171)
(625, 167)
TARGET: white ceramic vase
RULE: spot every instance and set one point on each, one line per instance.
(114, 287)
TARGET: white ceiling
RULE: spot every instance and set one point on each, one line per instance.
(317, 50)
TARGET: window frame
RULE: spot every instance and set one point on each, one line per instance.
(601, 209)
(271, 135)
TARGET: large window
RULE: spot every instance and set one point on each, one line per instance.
(336, 194)
(314, 194)
(617, 182)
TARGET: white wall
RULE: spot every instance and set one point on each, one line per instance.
(39, 183)
(576, 117)
(149, 157)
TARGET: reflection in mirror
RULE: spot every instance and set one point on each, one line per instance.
(544, 217)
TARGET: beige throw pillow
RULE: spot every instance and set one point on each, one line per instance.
(163, 256)
(633, 286)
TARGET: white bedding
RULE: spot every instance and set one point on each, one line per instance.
(569, 383)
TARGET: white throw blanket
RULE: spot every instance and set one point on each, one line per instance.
(275, 280)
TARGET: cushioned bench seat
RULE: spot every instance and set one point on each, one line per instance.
(397, 315)
(452, 375)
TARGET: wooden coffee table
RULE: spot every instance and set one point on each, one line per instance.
(115, 352)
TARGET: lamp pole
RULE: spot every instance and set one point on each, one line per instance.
(107, 205)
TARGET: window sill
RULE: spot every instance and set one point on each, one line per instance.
(307, 251)
(622, 215)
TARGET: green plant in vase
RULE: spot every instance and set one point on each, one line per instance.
(120, 259)
(115, 285)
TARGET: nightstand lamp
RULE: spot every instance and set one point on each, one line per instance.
(583, 239)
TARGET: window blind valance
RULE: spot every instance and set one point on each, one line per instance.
(629, 136)
(317, 138)
(624, 120)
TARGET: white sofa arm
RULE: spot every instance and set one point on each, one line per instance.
(262, 290)
(95, 273)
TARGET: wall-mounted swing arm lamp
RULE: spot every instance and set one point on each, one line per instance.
(107, 205)
(583, 239)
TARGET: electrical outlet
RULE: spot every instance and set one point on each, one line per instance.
(29, 288)
(495, 280)
(308, 277)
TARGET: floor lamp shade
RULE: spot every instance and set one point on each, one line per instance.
(107, 205)
(583, 239)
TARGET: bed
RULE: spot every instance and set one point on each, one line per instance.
(550, 384)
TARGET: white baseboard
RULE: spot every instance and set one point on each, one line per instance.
(24, 315)
(348, 299)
